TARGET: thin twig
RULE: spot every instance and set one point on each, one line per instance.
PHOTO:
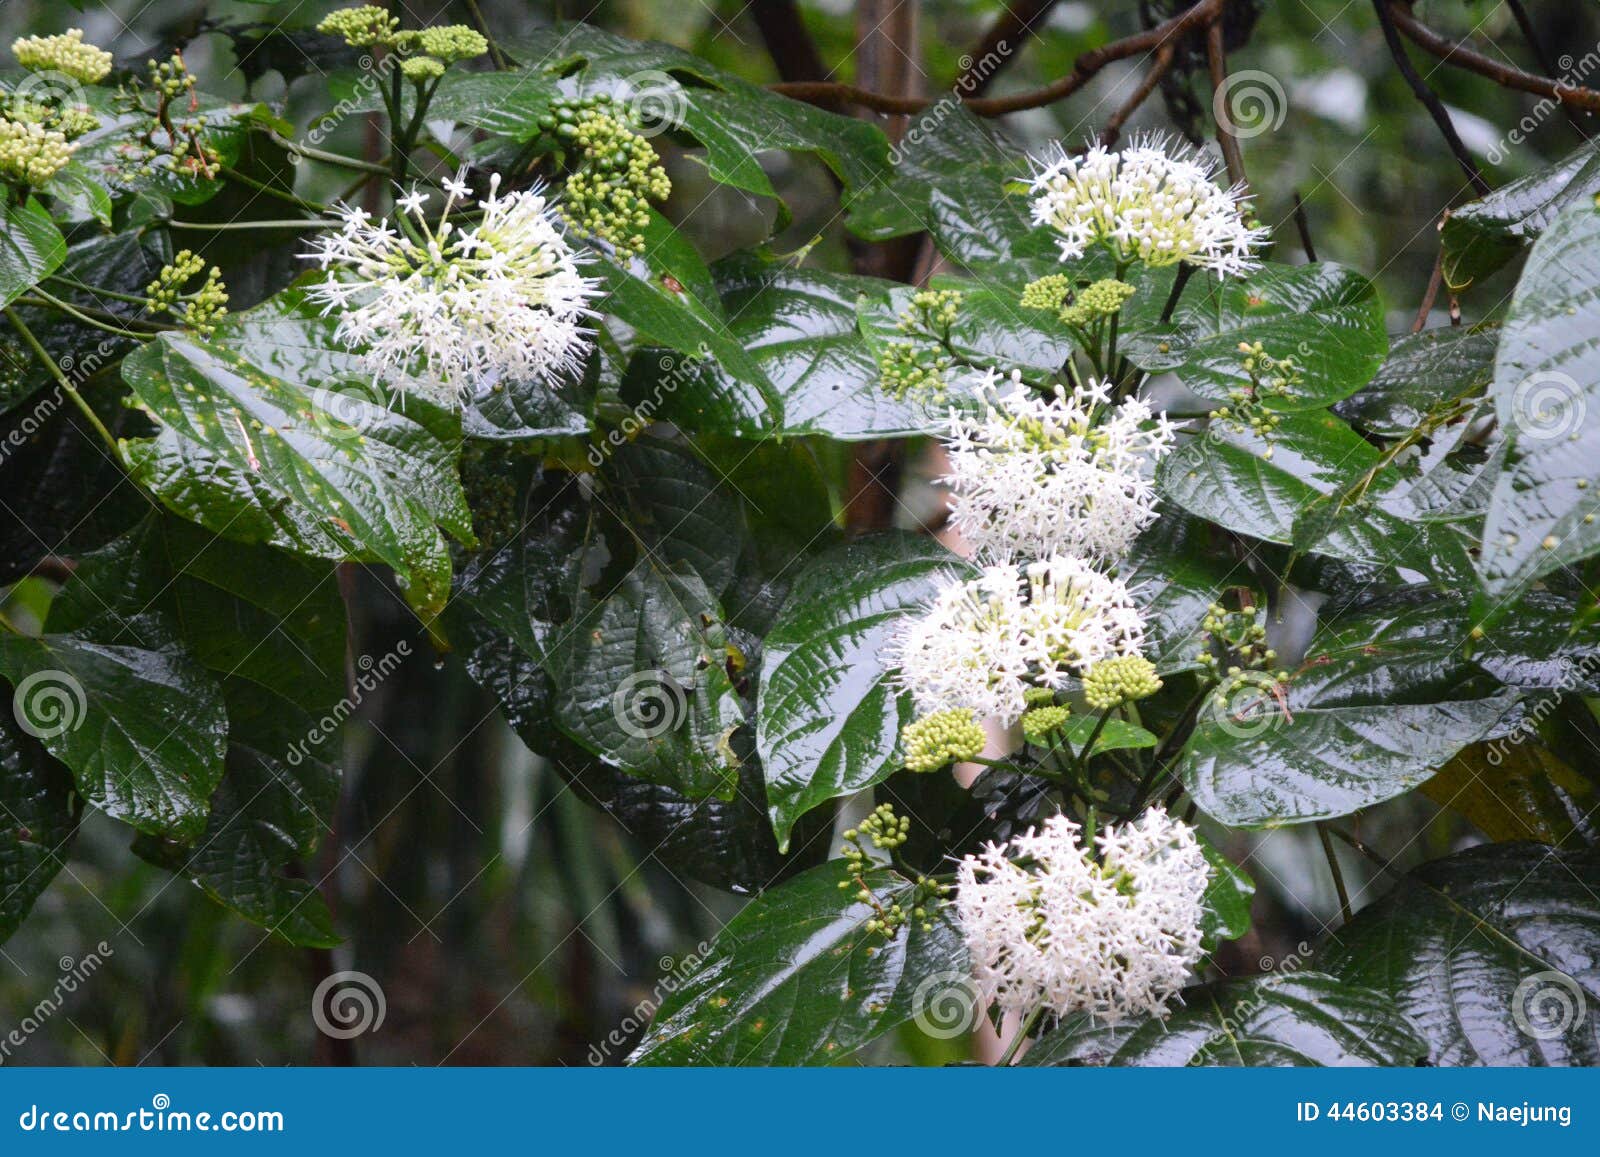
(49, 363)
(1388, 18)
(1434, 282)
(1000, 43)
(1303, 224)
(1337, 873)
(1217, 60)
(1152, 77)
(1084, 70)
(1455, 53)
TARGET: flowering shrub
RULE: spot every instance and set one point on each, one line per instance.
(1213, 554)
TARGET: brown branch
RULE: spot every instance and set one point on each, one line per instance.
(1015, 21)
(1084, 69)
(789, 43)
(1165, 56)
(1455, 53)
(1303, 224)
(1389, 18)
(1217, 59)
(1434, 282)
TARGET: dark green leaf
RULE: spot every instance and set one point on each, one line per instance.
(795, 978)
(1294, 1019)
(1424, 374)
(1547, 396)
(31, 248)
(1481, 236)
(38, 820)
(1494, 954)
(829, 723)
(1380, 703)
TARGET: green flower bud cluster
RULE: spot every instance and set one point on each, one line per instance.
(1269, 378)
(883, 829)
(906, 369)
(427, 52)
(66, 54)
(451, 42)
(1039, 697)
(1113, 682)
(31, 154)
(917, 369)
(932, 311)
(942, 738)
(616, 171)
(362, 27)
(489, 479)
(1233, 642)
(176, 137)
(75, 121)
(200, 310)
(1047, 293)
(1041, 723)
(421, 69)
(1102, 299)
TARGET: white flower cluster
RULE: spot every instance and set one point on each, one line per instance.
(1048, 925)
(1151, 202)
(985, 642)
(1039, 475)
(452, 306)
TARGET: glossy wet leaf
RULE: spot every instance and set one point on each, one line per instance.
(31, 248)
(1515, 788)
(796, 979)
(1483, 235)
(278, 449)
(1302, 1019)
(828, 722)
(1542, 513)
(38, 821)
(1493, 953)
(1424, 373)
(1380, 703)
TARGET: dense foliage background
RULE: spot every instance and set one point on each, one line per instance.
(516, 911)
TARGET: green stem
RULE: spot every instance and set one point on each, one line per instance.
(225, 226)
(1022, 1034)
(1336, 872)
(97, 290)
(328, 158)
(403, 147)
(61, 379)
(1088, 744)
(92, 317)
